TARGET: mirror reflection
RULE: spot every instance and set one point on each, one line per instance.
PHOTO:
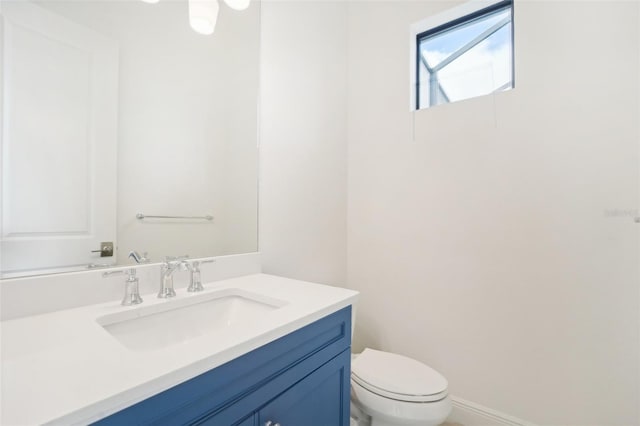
(124, 130)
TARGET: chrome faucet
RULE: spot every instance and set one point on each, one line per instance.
(131, 292)
(166, 276)
(139, 259)
(195, 283)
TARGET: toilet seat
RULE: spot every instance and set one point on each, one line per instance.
(398, 396)
(397, 377)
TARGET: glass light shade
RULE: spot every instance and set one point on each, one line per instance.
(203, 15)
(238, 4)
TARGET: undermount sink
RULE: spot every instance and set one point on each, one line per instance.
(177, 321)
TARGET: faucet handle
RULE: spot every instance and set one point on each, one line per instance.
(174, 258)
(131, 291)
(195, 264)
(176, 263)
(195, 283)
(131, 272)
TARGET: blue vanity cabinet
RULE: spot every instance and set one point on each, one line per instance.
(301, 379)
(248, 422)
(320, 399)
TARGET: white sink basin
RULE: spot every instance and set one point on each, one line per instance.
(177, 321)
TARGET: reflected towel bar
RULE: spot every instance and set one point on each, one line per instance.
(147, 216)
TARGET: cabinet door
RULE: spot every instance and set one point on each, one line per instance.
(248, 422)
(320, 399)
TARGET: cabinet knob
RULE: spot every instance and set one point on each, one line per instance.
(270, 423)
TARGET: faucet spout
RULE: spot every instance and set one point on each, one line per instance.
(139, 258)
(166, 276)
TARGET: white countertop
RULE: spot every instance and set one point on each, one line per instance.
(65, 368)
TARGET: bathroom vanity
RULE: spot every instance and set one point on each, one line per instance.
(300, 379)
(251, 350)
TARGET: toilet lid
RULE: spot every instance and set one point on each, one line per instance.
(396, 376)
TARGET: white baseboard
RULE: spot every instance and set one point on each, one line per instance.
(467, 413)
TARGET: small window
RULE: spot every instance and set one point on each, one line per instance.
(467, 57)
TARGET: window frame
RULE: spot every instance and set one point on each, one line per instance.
(446, 21)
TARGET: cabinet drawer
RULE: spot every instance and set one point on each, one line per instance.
(255, 377)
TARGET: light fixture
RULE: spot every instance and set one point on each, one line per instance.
(203, 15)
(237, 4)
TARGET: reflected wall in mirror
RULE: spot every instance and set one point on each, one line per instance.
(116, 108)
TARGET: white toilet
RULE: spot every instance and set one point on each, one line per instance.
(392, 390)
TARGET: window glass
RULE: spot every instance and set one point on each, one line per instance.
(470, 57)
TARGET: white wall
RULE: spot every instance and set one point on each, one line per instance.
(303, 143)
(187, 131)
(487, 247)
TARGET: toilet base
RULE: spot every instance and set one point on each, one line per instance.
(359, 417)
(372, 413)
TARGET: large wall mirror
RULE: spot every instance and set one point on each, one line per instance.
(116, 111)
